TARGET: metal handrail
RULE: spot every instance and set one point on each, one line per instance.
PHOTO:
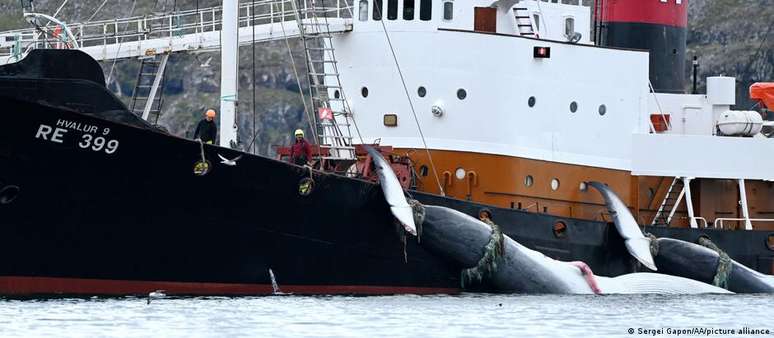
(704, 220)
(718, 224)
(171, 25)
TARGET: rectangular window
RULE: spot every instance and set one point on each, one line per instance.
(569, 27)
(537, 22)
(363, 10)
(485, 19)
(408, 9)
(377, 10)
(392, 9)
(448, 10)
(425, 10)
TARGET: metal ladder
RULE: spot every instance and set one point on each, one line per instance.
(148, 93)
(524, 23)
(327, 93)
(669, 205)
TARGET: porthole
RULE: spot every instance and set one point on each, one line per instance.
(485, 214)
(336, 94)
(423, 170)
(560, 229)
(554, 184)
(421, 91)
(459, 173)
(573, 106)
(531, 101)
(528, 181)
(583, 186)
(462, 94)
(770, 242)
(364, 92)
(9, 194)
(602, 110)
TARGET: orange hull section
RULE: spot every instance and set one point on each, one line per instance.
(557, 189)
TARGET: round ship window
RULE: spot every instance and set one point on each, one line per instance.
(531, 101)
(560, 229)
(602, 110)
(529, 180)
(459, 173)
(421, 91)
(364, 92)
(574, 106)
(462, 94)
(554, 184)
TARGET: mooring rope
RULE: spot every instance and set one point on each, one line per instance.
(419, 216)
(724, 263)
(653, 244)
(487, 265)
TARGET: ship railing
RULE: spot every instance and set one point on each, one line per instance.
(173, 24)
(719, 222)
(701, 221)
(570, 2)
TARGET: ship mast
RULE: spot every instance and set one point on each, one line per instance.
(229, 54)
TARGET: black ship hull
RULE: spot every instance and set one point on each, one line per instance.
(95, 205)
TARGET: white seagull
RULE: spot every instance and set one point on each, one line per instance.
(231, 162)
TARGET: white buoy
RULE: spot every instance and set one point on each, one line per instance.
(156, 294)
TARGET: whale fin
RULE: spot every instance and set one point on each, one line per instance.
(636, 243)
(393, 192)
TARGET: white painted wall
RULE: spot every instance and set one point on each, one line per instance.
(703, 156)
(499, 74)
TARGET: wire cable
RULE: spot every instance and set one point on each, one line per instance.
(411, 104)
(118, 49)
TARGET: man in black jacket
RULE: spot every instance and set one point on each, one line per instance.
(207, 130)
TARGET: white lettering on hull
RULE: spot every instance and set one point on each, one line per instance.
(86, 128)
(87, 140)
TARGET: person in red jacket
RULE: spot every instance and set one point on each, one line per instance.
(301, 151)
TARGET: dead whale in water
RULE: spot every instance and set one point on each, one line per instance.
(462, 239)
(515, 268)
(689, 260)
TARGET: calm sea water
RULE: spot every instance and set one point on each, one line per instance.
(469, 315)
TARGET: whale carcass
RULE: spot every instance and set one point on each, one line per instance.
(461, 239)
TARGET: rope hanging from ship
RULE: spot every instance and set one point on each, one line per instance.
(724, 263)
(411, 103)
(493, 251)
